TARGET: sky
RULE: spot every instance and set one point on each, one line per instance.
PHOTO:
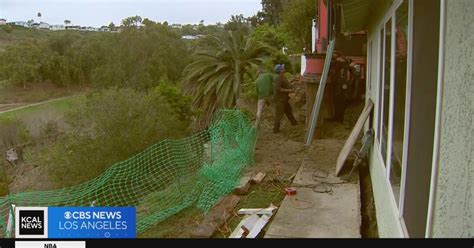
(102, 12)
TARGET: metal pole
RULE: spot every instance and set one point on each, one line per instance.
(319, 95)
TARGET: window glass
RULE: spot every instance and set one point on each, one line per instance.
(401, 49)
(386, 88)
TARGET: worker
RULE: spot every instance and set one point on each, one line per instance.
(281, 91)
(264, 85)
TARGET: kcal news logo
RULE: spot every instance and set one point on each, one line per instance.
(75, 222)
(31, 222)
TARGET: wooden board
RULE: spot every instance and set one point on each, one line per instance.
(258, 226)
(268, 211)
(221, 212)
(248, 222)
(346, 150)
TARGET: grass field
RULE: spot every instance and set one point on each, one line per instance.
(60, 105)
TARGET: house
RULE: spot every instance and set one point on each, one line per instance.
(57, 27)
(21, 24)
(18, 23)
(104, 29)
(3, 21)
(422, 85)
(73, 27)
(176, 26)
(92, 29)
(43, 25)
(190, 37)
(35, 25)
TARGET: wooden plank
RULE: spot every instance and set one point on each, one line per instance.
(259, 225)
(259, 177)
(267, 211)
(221, 212)
(247, 223)
(346, 150)
(244, 185)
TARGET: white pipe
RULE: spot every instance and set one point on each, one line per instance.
(439, 102)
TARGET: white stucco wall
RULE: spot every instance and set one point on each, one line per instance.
(454, 205)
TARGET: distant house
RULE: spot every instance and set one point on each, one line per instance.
(92, 29)
(176, 26)
(35, 25)
(3, 21)
(57, 27)
(43, 25)
(21, 24)
(116, 30)
(190, 37)
(104, 29)
(18, 23)
(73, 27)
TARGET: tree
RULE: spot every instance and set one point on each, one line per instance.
(132, 21)
(297, 21)
(67, 22)
(237, 23)
(274, 37)
(215, 77)
(148, 23)
(272, 11)
(111, 26)
(21, 62)
(39, 14)
(29, 22)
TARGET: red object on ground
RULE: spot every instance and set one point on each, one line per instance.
(290, 191)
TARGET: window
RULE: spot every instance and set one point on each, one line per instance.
(380, 87)
(385, 88)
(400, 83)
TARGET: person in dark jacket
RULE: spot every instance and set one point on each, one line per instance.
(281, 89)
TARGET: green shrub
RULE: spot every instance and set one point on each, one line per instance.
(109, 126)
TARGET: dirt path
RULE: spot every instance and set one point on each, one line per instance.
(5, 108)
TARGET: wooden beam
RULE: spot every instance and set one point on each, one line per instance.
(346, 150)
(221, 212)
(267, 211)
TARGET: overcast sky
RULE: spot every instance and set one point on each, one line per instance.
(102, 12)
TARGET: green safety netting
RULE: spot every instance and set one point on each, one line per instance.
(165, 178)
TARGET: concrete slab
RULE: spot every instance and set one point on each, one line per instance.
(309, 214)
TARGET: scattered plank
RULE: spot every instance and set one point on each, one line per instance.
(341, 159)
(258, 178)
(259, 225)
(244, 185)
(267, 211)
(242, 229)
(221, 212)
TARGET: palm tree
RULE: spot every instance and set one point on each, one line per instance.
(215, 77)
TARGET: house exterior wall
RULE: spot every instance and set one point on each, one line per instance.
(454, 204)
